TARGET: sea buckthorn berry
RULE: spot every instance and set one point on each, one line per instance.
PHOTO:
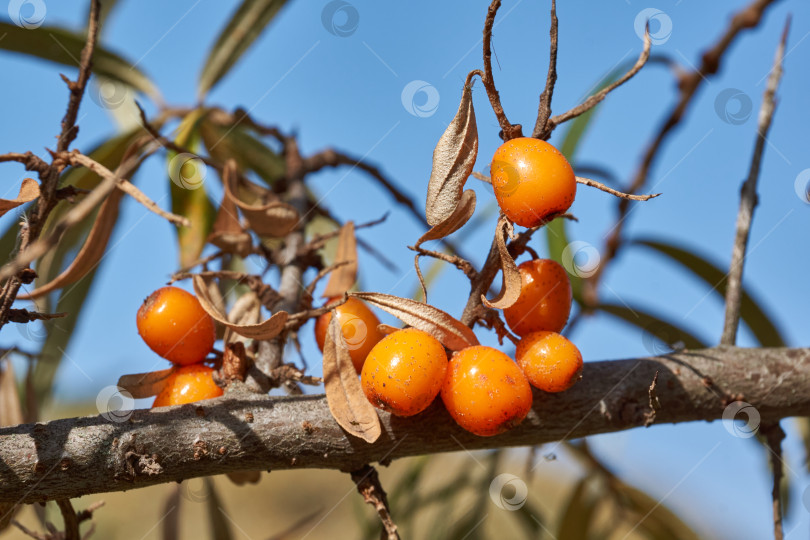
(532, 181)
(485, 392)
(359, 325)
(174, 325)
(545, 298)
(550, 361)
(186, 385)
(404, 372)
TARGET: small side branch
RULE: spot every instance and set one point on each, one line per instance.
(509, 131)
(541, 130)
(617, 193)
(368, 485)
(748, 199)
(774, 435)
(595, 99)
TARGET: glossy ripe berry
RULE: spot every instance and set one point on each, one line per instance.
(550, 361)
(404, 372)
(532, 181)
(545, 298)
(186, 385)
(485, 392)
(174, 325)
(359, 325)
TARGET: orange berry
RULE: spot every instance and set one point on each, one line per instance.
(186, 385)
(485, 392)
(404, 372)
(532, 181)
(550, 361)
(174, 325)
(359, 325)
(545, 298)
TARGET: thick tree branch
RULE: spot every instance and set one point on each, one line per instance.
(79, 456)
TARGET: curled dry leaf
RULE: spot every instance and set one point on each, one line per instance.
(273, 218)
(342, 278)
(246, 310)
(453, 161)
(265, 330)
(227, 233)
(451, 332)
(29, 190)
(510, 290)
(387, 329)
(344, 394)
(461, 215)
(91, 252)
(144, 385)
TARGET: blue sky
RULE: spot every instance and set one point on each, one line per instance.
(347, 92)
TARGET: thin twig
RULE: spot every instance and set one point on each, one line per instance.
(31, 161)
(129, 188)
(595, 99)
(774, 435)
(70, 518)
(544, 109)
(617, 193)
(748, 199)
(368, 484)
(688, 85)
(462, 264)
(508, 130)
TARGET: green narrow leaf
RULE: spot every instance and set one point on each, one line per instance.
(653, 325)
(189, 197)
(223, 142)
(659, 521)
(575, 522)
(220, 530)
(65, 47)
(751, 313)
(245, 25)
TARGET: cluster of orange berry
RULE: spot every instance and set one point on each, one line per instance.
(483, 389)
(173, 324)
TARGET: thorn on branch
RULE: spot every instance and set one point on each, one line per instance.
(368, 485)
(541, 129)
(621, 195)
(508, 130)
(24, 316)
(774, 435)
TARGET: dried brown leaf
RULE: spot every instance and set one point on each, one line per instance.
(510, 289)
(451, 332)
(386, 329)
(144, 385)
(10, 409)
(227, 233)
(453, 161)
(274, 218)
(342, 278)
(91, 252)
(347, 402)
(461, 215)
(29, 190)
(265, 330)
(246, 310)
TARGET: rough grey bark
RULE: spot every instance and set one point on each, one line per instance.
(78, 456)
